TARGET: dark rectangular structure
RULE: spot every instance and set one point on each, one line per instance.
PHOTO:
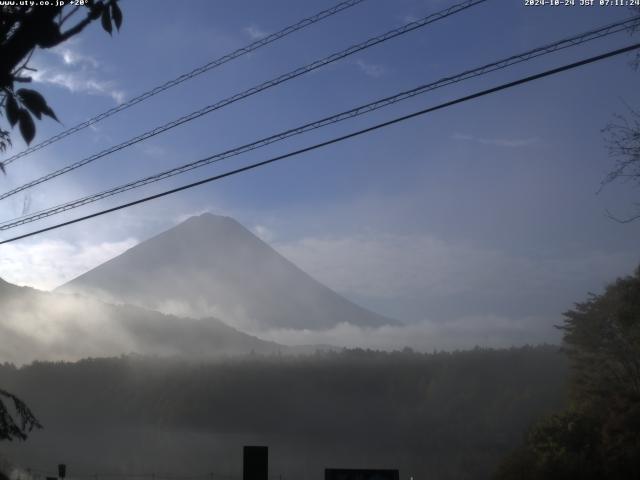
(255, 463)
(360, 474)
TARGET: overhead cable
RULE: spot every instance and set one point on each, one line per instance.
(333, 140)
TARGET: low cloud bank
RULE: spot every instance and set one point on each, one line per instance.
(423, 276)
(44, 326)
(53, 327)
(485, 331)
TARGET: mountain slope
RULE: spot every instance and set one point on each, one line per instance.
(212, 266)
(37, 325)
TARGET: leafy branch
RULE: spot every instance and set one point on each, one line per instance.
(9, 428)
(23, 29)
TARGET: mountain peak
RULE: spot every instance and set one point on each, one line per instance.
(210, 217)
(205, 219)
(208, 221)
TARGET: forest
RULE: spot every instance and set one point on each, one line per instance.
(435, 415)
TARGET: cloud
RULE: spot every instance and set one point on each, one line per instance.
(75, 72)
(424, 276)
(217, 210)
(498, 142)
(369, 69)
(265, 234)
(78, 82)
(54, 327)
(44, 326)
(254, 32)
(72, 57)
(394, 265)
(489, 331)
(48, 263)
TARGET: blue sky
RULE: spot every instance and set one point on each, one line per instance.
(483, 217)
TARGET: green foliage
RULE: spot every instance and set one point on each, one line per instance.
(20, 107)
(602, 337)
(565, 446)
(562, 436)
(35, 103)
(598, 437)
(23, 28)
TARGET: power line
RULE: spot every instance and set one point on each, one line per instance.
(354, 112)
(188, 76)
(252, 91)
(334, 140)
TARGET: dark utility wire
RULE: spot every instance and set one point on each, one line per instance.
(252, 91)
(335, 140)
(354, 112)
(188, 76)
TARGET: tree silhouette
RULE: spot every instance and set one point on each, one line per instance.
(23, 28)
(9, 428)
(602, 338)
(623, 141)
(597, 437)
(622, 137)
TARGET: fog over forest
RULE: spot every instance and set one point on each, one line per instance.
(448, 415)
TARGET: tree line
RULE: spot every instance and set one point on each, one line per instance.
(451, 413)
